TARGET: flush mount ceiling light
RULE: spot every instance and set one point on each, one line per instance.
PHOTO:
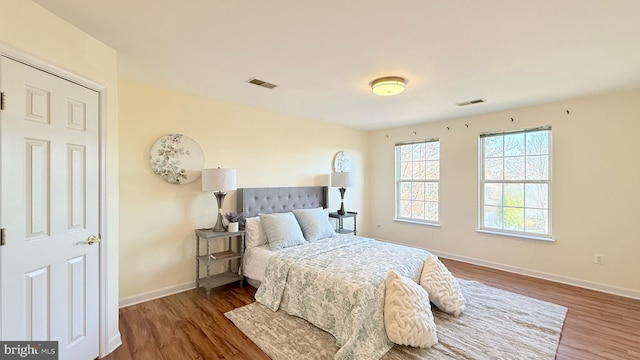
(389, 85)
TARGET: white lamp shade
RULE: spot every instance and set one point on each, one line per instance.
(218, 179)
(342, 179)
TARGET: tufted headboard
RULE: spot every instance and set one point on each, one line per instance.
(252, 201)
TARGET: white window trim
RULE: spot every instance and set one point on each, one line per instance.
(481, 182)
(516, 235)
(417, 222)
(397, 180)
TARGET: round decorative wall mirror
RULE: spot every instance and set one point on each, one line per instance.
(177, 159)
(343, 162)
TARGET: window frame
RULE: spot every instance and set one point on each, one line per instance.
(398, 183)
(482, 181)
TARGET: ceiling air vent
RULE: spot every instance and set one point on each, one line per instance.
(471, 102)
(264, 84)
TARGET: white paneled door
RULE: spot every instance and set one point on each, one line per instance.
(49, 195)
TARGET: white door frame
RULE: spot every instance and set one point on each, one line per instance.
(106, 345)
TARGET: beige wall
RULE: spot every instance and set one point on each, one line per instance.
(268, 149)
(596, 192)
(30, 30)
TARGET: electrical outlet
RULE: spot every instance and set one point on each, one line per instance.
(598, 258)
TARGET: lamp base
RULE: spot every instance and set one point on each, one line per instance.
(341, 210)
(220, 227)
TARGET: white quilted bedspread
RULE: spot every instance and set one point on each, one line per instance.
(338, 284)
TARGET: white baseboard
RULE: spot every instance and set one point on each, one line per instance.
(615, 290)
(155, 294)
(113, 344)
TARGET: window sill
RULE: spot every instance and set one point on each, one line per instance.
(418, 222)
(522, 236)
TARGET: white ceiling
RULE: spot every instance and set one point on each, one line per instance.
(324, 53)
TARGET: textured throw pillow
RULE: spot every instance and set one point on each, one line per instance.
(443, 288)
(314, 223)
(254, 233)
(407, 313)
(282, 230)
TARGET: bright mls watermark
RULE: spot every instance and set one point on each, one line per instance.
(41, 350)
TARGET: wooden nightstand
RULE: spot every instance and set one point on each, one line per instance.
(341, 229)
(226, 256)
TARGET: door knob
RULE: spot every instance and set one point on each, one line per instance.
(92, 239)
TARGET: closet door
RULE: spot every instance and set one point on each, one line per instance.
(49, 211)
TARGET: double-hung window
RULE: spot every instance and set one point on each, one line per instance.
(515, 183)
(418, 181)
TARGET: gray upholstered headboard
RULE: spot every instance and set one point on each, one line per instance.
(252, 201)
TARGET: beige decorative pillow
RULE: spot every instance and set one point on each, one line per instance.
(443, 288)
(407, 313)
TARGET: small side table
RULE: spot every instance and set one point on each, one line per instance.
(341, 229)
(226, 256)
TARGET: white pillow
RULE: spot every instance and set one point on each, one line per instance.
(254, 233)
(282, 230)
(444, 289)
(407, 313)
(314, 223)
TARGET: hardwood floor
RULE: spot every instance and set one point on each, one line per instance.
(190, 326)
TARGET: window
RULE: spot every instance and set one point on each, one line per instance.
(417, 181)
(515, 183)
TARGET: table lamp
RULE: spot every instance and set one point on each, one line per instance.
(219, 180)
(342, 180)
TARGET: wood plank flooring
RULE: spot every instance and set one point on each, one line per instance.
(190, 326)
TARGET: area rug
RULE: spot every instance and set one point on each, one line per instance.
(496, 324)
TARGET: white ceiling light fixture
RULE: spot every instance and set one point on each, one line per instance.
(388, 86)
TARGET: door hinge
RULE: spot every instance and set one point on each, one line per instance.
(2, 101)
(3, 236)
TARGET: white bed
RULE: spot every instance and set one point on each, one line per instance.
(336, 282)
(254, 201)
(255, 262)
